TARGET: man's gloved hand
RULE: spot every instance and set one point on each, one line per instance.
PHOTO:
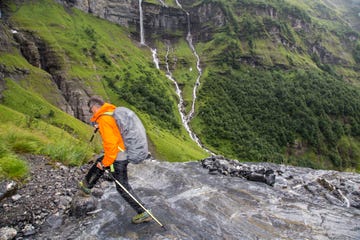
(100, 158)
(98, 162)
(100, 166)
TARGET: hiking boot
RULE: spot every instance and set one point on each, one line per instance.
(141, 218)
(84, 189)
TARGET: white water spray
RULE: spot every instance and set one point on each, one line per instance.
(177, 3)
(162, 3)
(185, 119)
(181, 108)
(197, 82)
(155, 58)
(142, 37)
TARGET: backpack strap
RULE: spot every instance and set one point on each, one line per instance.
(108, 113)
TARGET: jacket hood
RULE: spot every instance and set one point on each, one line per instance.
(106, 107)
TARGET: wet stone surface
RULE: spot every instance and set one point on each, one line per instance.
(193, 203)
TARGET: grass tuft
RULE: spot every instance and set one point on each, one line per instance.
(67, 152)
(12, 167)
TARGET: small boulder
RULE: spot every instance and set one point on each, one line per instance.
(81, 205)
(7, 189)
(7, 233)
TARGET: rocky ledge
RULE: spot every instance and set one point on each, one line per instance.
(43, 200)
(300, 203)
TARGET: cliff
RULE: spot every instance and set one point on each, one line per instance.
(160, 22)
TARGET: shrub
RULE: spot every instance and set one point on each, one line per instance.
(22, 142)
(67, 152)
(4, 150)
(12, 167)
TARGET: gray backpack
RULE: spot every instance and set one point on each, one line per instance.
(133, 134)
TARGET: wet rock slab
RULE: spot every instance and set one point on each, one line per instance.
(193, 204)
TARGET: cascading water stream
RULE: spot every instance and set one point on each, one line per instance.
(181, 108)
(185, 119)
(178, 92)
(197, 82)
(155, 58)
(179, 5)
(191, 45)
(162, 3)
(142, 37)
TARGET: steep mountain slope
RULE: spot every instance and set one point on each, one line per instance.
(280, 78)
(283, 80)
(54, 58)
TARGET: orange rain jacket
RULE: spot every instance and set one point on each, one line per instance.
(110, 134)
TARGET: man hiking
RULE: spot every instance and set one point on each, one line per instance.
(116, 157)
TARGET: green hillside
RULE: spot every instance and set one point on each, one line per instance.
(98, 55)
(281, 82)
(269, 96)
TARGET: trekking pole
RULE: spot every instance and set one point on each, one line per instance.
(147, 211)
(95, 131)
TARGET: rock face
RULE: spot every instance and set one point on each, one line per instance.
(71, 94)
(164, 22)
(41, 55)
(121, 12)
(218, 164)
(7, 233)
(193, 204)
(205, 20)
(5, 45)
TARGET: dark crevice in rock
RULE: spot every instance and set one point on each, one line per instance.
(39, 54)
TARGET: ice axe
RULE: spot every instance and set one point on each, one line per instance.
(123, 188)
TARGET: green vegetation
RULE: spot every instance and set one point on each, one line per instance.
(19, 135)
(264, 101)
(185, 72)
(11, 167)
(93, 53)
(261, 115)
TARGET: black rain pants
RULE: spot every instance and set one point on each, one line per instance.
(120, 174)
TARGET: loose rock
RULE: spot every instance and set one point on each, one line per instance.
(7, 233)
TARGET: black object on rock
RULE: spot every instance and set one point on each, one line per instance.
(258, 173)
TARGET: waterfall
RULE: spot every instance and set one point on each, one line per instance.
(185, 119)
(162, 3)
(142, 37)
(191, 45)
(178, 93)
(155, 58)
(197, 82)
(177, 3)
